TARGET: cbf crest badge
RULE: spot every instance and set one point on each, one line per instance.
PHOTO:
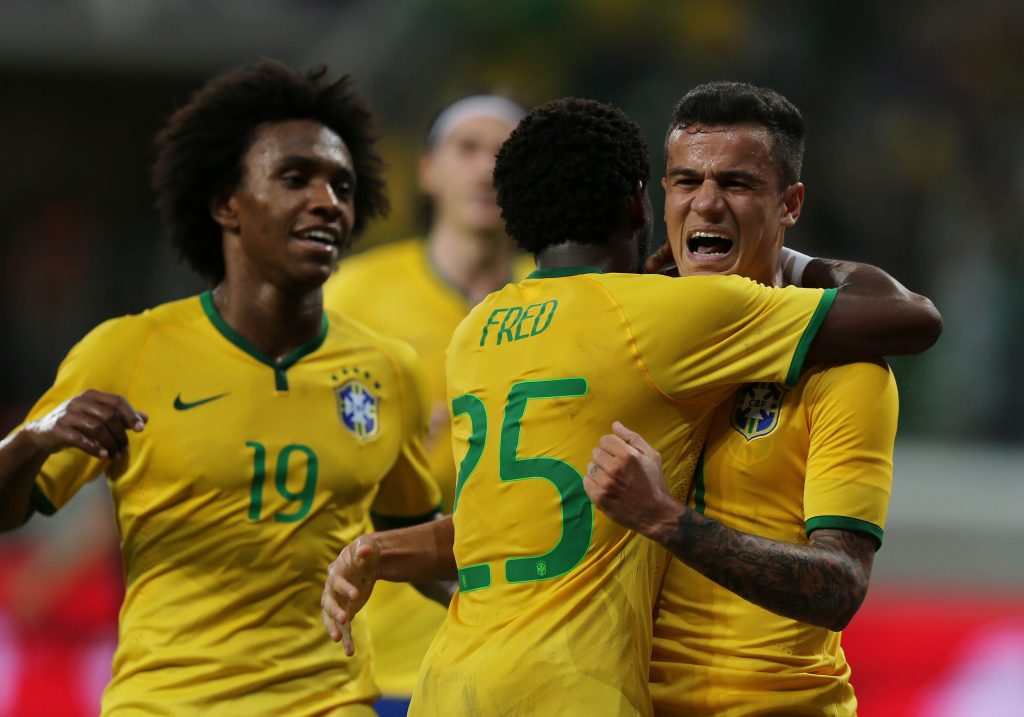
(757, 409)
(358, 409)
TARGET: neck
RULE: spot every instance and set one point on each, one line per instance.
(274, 321)
(570, 254)
(475, 263)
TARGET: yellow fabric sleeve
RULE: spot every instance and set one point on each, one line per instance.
(408, 491)
(706, 332)
(105, 360)
(853, 410)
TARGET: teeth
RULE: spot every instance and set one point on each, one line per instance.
(318, 235)
(708, 235)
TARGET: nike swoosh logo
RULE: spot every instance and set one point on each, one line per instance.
(185, 405)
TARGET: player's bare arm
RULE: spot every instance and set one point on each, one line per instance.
(873, 314)
(93, 421)
(417, 554)
(440, 591)
(822, 583)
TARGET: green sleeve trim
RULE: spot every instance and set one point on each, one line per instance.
(41, 502)
(560, 271)
(700, 489)
(391, 522)
(842, 522)
(817, 319)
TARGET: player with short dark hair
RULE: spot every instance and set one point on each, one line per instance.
(724, 104)
(776, 543)
(246, 433)
(553, 613)
(419, 289)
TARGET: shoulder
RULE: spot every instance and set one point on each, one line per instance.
(874, 377)
(124, 335)
(349, 332)
(382, 258)
(866, 389)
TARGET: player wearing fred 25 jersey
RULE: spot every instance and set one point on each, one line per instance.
(553, 614)
(272, 428)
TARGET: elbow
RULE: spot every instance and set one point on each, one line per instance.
(922, 325)
(931, 323)
(846, 608)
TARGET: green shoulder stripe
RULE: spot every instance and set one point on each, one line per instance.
(817, 319)
(42, 503)
(842, 522)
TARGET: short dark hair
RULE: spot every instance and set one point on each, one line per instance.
(567, 172)
(733, 103)
(201, 149)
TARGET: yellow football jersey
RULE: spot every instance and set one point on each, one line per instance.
(779, 463)
(248, 479)
(553, 615)
(395, 290)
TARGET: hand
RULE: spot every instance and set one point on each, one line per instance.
(662, 261)
(350, 581)
(625, 481)
(93, 421)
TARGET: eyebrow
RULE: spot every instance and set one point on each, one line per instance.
(299, 161)
(724, 175)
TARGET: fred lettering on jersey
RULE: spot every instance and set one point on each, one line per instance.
(515, 323)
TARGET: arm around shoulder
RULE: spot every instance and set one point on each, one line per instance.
(872, 315)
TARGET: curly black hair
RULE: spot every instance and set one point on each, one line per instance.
(732, 103)
(201, 149)
(567, 172)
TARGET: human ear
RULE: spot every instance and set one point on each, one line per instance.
(223, 210)
(792, 203)
(635, 206)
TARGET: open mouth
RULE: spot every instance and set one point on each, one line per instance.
(709, 244)
(320, 236)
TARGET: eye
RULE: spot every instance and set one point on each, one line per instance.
(686, 182)
(294, 180)
(343, 188)
(735, 185)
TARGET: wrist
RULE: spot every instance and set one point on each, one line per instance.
(666, 523)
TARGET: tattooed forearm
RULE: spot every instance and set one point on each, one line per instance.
(822, 583)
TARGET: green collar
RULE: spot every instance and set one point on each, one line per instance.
(563, 271)
(282, 364)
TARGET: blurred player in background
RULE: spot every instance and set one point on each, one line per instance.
(774, 551)
(246, 433)
(553, 614)
(419, 290)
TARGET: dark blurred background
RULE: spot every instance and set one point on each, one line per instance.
(915, 162)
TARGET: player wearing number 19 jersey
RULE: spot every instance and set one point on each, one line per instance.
(273, 427)
(249, 476)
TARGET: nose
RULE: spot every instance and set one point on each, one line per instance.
(324, 200)
(707, 202)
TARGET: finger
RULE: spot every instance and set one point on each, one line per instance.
(333, 631)
(110, 420)
(633, 438)
(601, 458)
(73, 438)
(95, 430)
(346, 640)
(616, 446)
(331, 608)
(129, 417)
